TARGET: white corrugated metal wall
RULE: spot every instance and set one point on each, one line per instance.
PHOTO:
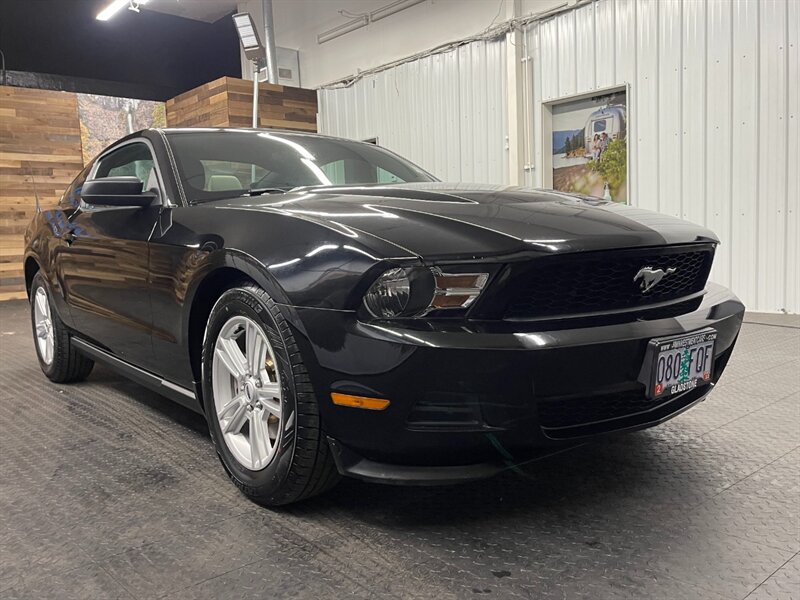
(714, 134)
(714, 120)
(445, 112)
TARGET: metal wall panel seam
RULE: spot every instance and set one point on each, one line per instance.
(744, 190)
(758, 153)
(614, 45)
(669, 127)
(680, 118)
(786, 160)
(792, 260)
(644, 92)
(705, 112)
(694, 114)
(771, 287)
(718, 128)
(732, 49)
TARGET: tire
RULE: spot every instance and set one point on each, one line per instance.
(301, 464)
(61, 362)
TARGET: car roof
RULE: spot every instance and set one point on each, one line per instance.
(287, 132)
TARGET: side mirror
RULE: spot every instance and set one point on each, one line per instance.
(116, 191)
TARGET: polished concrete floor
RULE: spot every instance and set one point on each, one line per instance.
(109, 491)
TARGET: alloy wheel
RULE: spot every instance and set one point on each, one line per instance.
(44, 326)
(247, 392)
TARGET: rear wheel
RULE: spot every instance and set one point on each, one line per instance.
(259, 402)
(59, 359)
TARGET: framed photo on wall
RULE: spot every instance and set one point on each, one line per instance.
(586, 144)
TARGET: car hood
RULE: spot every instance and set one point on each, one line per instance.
(434, 220)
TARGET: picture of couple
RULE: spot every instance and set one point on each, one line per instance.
(599, 144)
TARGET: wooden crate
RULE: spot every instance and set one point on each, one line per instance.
(40, 138)
(228, 102)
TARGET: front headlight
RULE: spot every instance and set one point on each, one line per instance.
(389, 296)
(416, 291)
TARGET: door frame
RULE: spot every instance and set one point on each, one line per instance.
(162, 197)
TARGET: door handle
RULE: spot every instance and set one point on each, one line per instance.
(68, 237)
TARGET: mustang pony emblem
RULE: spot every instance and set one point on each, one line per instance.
(650, 277)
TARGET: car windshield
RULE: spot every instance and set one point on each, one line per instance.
(220, 164)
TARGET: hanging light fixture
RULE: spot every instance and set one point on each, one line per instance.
(117, 5)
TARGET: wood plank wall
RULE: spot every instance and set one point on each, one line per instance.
(40, 138)
(228, 102)
(204, 106)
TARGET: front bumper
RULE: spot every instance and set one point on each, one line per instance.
(471, 399)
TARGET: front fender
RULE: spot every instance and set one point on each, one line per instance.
(239, 260)
(195, 252)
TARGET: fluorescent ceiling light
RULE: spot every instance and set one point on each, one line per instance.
(364, 20)
(390, 9)
(112, 9)
(115, 6)
(331, 34)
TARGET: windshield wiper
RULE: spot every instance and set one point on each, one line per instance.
(260, 191)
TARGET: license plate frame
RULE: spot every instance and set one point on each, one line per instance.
(654, 379)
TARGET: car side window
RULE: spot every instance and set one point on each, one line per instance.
(131, 160)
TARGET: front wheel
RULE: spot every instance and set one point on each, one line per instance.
(259, 402)
(59, 359)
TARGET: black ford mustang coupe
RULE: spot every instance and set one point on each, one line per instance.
(333, 309)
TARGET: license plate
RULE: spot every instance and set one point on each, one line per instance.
(681, 364)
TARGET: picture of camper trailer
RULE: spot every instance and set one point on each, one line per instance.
(589, 146)
(609, 120)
